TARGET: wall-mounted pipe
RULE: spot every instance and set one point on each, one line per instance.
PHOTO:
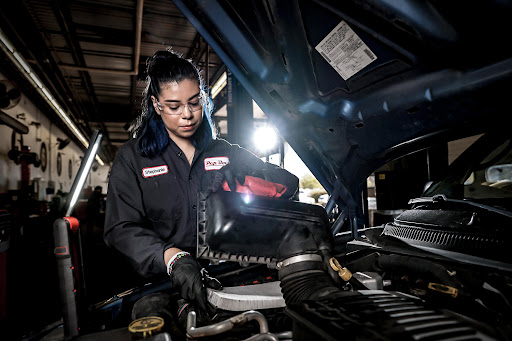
(13, 123)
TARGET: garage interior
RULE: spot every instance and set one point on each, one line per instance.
(90, 56)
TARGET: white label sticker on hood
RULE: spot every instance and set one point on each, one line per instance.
(215, 163)
(154, 171)
(345, 51)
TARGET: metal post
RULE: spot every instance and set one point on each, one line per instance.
(240, 113)
(66, 251)
(66, 272)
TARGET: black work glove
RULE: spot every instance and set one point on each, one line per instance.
(233, 172)
(191, 281)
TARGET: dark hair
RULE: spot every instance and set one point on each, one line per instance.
(163, 67)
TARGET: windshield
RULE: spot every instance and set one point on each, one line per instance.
(483, 173)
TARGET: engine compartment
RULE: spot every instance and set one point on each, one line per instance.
(476, 290)
(379, 286)
(399, 289)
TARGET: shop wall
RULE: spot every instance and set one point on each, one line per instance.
(42, 130)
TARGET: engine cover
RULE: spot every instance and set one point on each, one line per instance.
(380, 315)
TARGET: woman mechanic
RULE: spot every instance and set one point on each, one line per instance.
(151, 202)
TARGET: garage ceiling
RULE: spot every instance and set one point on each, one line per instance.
(91, 55)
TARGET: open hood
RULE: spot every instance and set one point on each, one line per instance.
(354, 84)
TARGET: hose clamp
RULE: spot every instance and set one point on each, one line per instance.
(310, 257)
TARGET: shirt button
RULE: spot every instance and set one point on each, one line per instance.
(190, 177)
(194, 207)
(179, 153)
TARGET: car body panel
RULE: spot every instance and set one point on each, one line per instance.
(436, 71)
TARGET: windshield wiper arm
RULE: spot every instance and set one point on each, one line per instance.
(439, 198)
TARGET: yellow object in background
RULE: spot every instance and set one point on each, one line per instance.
(146, 326)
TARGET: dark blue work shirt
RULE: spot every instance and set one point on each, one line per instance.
(151, 203)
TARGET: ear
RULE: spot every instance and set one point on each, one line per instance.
(155, 105)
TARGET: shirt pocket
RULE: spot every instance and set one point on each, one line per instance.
(166, 229)
(162, 198)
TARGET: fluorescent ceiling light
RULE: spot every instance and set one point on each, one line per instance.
(6, 42)
(219, 84)
(33, 79)
(36, 80)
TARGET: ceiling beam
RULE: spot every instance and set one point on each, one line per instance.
(65, 22)
(94, 69)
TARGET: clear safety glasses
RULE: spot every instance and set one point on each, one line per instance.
(177, 109)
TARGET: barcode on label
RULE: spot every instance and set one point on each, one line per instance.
(327, 58)
(370, 54)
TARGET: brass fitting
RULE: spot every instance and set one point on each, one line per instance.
(344, 273)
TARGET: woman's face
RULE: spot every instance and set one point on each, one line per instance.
(176, 105)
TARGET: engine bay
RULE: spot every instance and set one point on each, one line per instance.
(304, 283)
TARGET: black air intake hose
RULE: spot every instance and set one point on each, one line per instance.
(303, 265)
(305, 277)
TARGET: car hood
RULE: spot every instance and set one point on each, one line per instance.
(408, 74)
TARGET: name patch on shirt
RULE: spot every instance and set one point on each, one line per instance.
(154, 171)
(215, 163)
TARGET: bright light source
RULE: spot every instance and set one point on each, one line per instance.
(265, 138)
(6, 43)
(83, 171)
(246, 199)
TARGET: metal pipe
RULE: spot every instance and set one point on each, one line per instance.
(13, 123)
(258, 337)
(228, 324)
(336, 227)
(99, 70)
(138, 31)
(136, 56)
(285, 335)
(208, 68)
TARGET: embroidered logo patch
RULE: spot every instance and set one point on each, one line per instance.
(154, 171)
(215, 163)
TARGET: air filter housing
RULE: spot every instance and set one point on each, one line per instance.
(249, 229)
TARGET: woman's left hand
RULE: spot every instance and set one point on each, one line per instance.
(191, 281)
(231, 173)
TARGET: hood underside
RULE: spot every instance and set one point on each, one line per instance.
(352, 85)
